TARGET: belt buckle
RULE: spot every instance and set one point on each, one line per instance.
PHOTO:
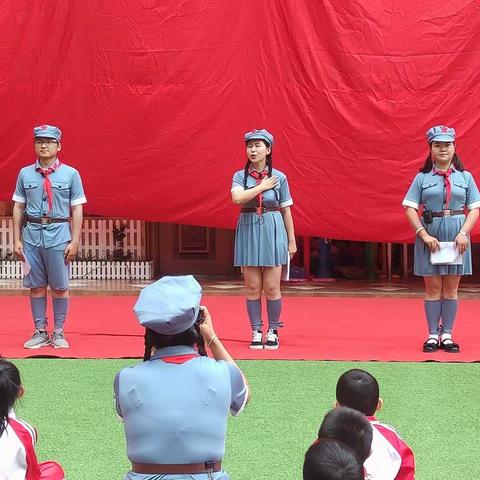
(210, 469)
(46, 220)
(447, 213)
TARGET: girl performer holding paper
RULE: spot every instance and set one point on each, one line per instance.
(450, 201)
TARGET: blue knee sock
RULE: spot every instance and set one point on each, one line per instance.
(254, 310)
(274, 309)
(433, 312)
(39, 312)
(449, 312)
(60, 310)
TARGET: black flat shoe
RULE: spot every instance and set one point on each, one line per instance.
(449, 346)
(431, 345)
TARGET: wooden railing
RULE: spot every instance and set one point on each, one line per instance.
(97, 238)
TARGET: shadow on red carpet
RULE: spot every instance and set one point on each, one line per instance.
(316, 328)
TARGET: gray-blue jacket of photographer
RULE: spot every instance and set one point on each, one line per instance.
(175, 406)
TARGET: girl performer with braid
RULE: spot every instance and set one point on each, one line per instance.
(265, 235)
(450, 200)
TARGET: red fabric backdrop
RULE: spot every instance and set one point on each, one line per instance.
(153, 98)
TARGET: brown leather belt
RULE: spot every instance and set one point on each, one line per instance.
(448, 213)
(262, 210)
(46, 220)
(155, 468)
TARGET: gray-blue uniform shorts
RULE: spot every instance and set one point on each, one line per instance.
(48, 267)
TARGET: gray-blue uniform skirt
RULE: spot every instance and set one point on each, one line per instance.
(261, 240)
(444, 229)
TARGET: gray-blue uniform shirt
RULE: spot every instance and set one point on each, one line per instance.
(262, 240)
(67, 192)
(428, 191)
(176, 413)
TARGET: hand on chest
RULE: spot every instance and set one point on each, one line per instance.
(270, 197)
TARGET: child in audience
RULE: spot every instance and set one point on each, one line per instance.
(391, 458)
(18, 460)
(329, 459)
(350, 427)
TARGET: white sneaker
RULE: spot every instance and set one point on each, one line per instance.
(257, 340)
(271, 340)
(59, 340)
(39, 339)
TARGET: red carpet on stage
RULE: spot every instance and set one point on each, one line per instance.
(316, 328)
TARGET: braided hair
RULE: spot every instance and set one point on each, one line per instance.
(10, 385)
(268, 161)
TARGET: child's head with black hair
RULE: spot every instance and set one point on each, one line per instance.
(359, 390)
(331, 460)
(350, 427)
(10, 390)
(190, 337)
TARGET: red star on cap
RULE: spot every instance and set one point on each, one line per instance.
(444, 129)
(44, 127)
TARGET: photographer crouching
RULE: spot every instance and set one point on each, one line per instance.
(175, 404)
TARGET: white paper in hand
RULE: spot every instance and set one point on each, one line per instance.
(447, 255)
(26, 267)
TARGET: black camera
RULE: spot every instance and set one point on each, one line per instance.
(200, 317)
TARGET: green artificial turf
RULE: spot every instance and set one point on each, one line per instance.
(434, 406)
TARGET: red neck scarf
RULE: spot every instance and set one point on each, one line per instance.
(259, 176)
(448, 185)
(179, 359)
(47, 184)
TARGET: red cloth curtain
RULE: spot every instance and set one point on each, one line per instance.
(153, 98)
